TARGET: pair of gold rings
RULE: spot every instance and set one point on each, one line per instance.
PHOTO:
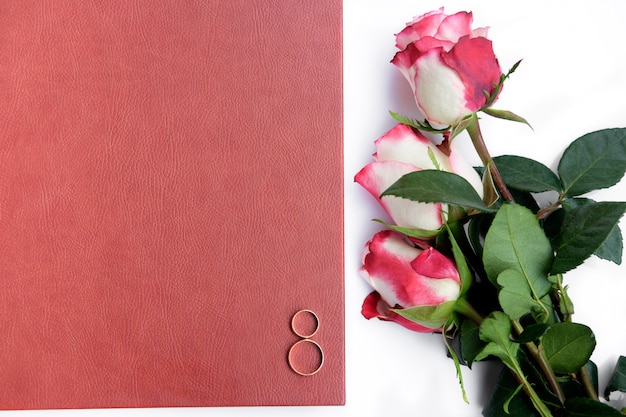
(305, 324)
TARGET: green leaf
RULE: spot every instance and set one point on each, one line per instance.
(496, 331)
(515, 241)
(566, 305)
(506, 392)
(552, 225)
(460, 127)
(490, 191)
(477, 228)
(470, 341)
(421, 234)
(506, 115)
(572, 386)
(507, 403)
(526, 199)
(491, 98)
(526, 174)
(429, 316)
(459, 259)
(457, 365)
(532, 333)
(416, 124)
(568, 346)
(537, 378)
(618, 379)
(586, 407)
(517, 296)
(526, 375)
(611, 249)
(584, 230)
(432, 186)
(593, 161)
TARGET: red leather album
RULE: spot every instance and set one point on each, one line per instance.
(171, 219)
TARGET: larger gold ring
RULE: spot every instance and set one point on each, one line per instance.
(299, 332)
(304, 372)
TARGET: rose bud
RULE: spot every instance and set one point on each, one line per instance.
(448, 65)
(403, 150)
(404, 276)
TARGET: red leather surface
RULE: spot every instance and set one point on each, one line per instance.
(170, 195)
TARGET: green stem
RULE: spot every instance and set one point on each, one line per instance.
(463, 307)
(566, 315)
(544, 212)
(534, 398)
(481, 148)
(542, 361)
(587, 384)
(583, 375)
(473, 260)
(466, 309)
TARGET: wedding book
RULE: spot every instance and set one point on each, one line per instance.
(171, 208)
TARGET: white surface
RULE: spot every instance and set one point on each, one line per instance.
(572, 81)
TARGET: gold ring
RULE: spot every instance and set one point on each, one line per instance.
(303, 373)
(300, 333)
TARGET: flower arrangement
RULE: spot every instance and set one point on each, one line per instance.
(471, 253)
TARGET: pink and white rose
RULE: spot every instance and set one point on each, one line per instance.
(403, 150)
(404, 276)
(448, 64)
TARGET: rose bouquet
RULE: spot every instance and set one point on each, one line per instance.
(471, 252)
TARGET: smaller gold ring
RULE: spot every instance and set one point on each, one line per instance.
(293, 323)
(321, 357)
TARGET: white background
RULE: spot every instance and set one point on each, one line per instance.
(572, 81)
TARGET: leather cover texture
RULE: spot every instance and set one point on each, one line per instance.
(170, 196)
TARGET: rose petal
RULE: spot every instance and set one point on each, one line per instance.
(390, 243)
(376, 177)
(369, 309)
(429, 42)
(391, 272)
(404, 144)
(375, 307)
(480, 32)
(421, 26)
(460, 166)
(439, 91)
(475, 63)
(433, 264)
(455, 26)
(404, 61)
(388, 267)
(381, 244)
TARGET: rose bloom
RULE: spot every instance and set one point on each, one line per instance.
(448, 65)
(404, 276)
(403, 150)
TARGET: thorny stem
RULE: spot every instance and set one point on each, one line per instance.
(481, 148)
(473, 129)
(541, 360)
